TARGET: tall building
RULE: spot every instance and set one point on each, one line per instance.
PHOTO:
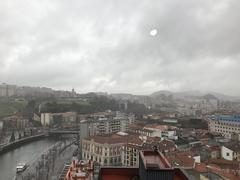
(227, 125)
(7, 90)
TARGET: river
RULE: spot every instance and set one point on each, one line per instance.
(25, 153)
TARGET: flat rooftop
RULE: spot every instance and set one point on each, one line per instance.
(154, 160)
(118, 173)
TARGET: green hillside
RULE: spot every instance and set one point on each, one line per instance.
(10, 107)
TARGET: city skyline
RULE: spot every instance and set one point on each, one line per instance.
(137, 47)
(196, 93)
(103, 89)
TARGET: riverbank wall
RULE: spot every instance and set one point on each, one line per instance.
(13, 145)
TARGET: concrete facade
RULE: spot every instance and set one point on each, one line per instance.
(227, 125)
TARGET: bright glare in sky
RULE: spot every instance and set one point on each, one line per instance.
(153, 32)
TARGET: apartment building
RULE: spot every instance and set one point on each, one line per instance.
(117, 122)
(227, 125)
(106, 150)
(15, 122)
(153, 130)
(131, 149)
(65, 119)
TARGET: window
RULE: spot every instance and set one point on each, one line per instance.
(227, 154)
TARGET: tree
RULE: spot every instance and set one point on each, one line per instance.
(29, 109)
(19, 135)
(12, 139)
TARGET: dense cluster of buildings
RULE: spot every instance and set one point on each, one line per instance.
(14, 122)
(91, 124)
(197, 151)
(182, 103)
(113, 139)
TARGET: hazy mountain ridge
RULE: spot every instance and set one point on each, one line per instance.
(155, 96)
(173, 99)
(196, 94)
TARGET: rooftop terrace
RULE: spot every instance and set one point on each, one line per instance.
(154, 160)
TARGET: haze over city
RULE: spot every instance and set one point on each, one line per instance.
(119, 90)
(121, 47)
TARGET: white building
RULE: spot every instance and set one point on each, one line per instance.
(65, 118)
(46, 119)
(108, 125)
(106, 150)
(224, 124)
(157, 129)
(231, 151)
(170, 134)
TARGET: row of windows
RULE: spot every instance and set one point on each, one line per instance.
(112, 151)
(223, 131)
(112, 160)
(130, 162)
(227, 124)
(230, 129)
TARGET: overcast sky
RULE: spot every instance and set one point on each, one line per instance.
(106, 45)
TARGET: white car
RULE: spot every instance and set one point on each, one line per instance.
(21, 167)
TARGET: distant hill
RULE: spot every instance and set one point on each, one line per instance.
(196, 94)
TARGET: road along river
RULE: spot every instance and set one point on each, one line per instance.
(26, 153)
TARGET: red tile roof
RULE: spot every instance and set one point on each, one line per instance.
(202, 167)
(108, 139)
(166, 146)
(181, 159)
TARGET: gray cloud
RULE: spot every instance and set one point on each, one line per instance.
(105, 45)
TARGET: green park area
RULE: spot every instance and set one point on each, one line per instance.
(8, 107)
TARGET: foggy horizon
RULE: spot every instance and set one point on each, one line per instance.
(196, 92)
